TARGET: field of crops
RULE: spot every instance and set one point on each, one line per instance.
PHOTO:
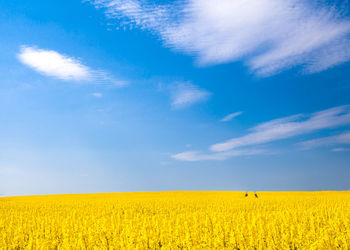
(172, 220)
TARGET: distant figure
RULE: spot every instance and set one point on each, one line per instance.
(246, 194)
(256, 195)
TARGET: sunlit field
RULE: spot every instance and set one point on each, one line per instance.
(172, 220)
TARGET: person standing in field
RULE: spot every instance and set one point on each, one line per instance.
(255, 194)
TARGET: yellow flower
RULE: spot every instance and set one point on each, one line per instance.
(173, 220)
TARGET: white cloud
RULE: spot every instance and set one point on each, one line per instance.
(54, 64)
(186, 94)
(97, 95)
(278, 129)
(229, 117)
(340, 149)
(268, 35)
(192, 156)
(341, 139)
(288, 127)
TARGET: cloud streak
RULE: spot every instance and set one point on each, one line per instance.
(229, 117)
(193, 156)
(288, 127)
(97, 95)
(341, 139)
(278, 129)
(269, 36)
(340, 149)
(186, 94)
(53, 64)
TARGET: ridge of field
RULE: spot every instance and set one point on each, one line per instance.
(177, 220)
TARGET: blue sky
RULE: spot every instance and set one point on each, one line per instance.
(108, 96)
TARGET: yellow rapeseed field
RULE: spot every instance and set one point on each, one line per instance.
(177, 220)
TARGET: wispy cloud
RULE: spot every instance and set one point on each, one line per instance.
(278, 129)
(268, 35)
(341, 139)
(54, 64)
(186, 94)
(229, 117)
(192, 156)
(97, 95)
(340, 149)
(288, 127)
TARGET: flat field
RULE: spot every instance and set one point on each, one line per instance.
(177, 220)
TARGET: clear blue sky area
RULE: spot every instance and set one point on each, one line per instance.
(114, 96)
